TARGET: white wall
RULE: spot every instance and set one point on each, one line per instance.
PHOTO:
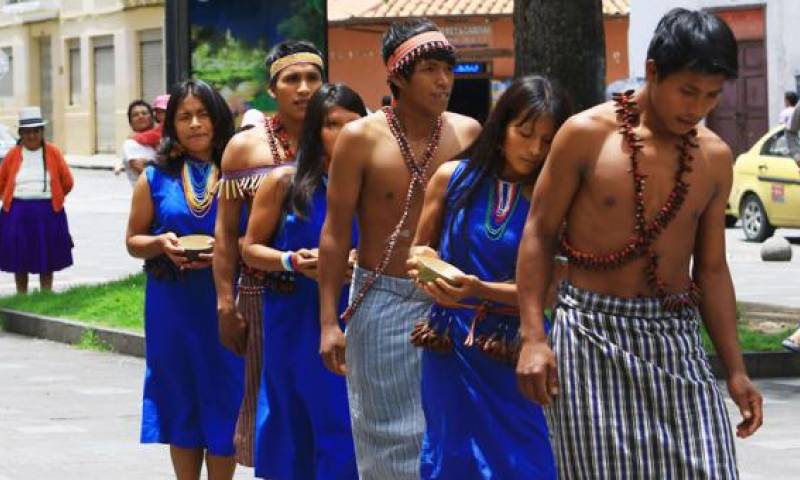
(782, 40)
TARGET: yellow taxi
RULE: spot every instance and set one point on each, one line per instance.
(766, 188)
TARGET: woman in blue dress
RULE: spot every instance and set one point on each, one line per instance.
(478, 424)
(193, 385)
(302, 418)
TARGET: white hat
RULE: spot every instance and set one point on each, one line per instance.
(30, 117)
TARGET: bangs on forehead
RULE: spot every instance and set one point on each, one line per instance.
(528, 115)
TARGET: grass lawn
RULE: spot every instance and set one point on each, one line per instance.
(117, 304)
(120, 304)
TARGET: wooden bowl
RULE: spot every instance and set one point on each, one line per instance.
(432, 268)
(195, 245)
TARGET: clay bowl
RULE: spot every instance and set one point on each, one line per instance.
(432, 268)
(195, 245)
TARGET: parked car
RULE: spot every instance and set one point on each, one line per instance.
(766, 187)
(7, 140)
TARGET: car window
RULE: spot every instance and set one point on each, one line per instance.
(776, 145)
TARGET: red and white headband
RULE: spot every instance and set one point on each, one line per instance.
(409, 50)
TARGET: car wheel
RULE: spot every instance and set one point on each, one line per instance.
(755, 223)
(730, 221)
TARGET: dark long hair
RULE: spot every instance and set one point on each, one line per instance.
(310, 152)
(525, 100)
(221, 119)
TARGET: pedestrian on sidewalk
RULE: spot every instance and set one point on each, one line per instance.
(34, 180)
(193, 385)
(302, 407)
(136, 156)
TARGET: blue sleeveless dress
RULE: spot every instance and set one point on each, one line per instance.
(302, 419)
(479, 426)
(193, 385)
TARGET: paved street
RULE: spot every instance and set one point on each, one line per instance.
(72, 414)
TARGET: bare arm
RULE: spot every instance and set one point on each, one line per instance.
(138, 239)
(346, 175)
(427, 238)
(232, 326)
(552, 197)
(718, 303)
(263, 221)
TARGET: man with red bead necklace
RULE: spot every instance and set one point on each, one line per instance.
(642, 188)
(295, 69)
(381, 165)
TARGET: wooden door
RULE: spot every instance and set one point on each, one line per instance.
(741, 117)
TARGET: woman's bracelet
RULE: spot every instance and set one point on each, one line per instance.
(287, 261)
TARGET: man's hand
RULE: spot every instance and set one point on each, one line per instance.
(537, 373)
(332, 349)
(750, 404)
(232, 329)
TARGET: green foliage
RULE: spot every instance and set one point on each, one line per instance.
(91, 341)
(752, 340)
(117, 304)
(308, 23)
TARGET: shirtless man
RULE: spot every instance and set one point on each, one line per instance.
(371, 177)
(295, 70)
(627, 386)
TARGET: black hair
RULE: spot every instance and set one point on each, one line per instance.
(290, 47)
(310, 152)
(218, 111)
(386, 100)
(693, 40)
(525, 100)
(139, 103)
(398, 33)
(790, 97)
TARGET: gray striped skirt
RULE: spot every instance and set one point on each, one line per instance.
(637, 397)
(383, 378)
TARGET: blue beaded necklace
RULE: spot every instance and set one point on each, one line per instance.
(500, 208)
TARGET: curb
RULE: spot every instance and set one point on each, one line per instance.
(92, 167)
(68, 331)
(759, 364)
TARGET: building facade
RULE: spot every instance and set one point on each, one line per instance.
(82, 61)
(769, 60)
(482, 32)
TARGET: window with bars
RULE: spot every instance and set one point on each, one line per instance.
(6, 72)
(75, 87)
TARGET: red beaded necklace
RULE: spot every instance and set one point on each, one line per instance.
(641, 243)
(419, 178)
(276, 133)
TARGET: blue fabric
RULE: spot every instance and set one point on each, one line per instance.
(34, 238)
(302, 418)
(479, 426)
(193, 385)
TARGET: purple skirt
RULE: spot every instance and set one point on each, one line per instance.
(34, 238)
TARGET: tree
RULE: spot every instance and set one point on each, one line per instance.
(565, 41)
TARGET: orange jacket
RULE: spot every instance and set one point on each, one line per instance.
(60, 177)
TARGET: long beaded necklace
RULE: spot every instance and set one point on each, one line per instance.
(503, 201)
(419, 178)
(641, 243)
(276, 133)
(199, 186)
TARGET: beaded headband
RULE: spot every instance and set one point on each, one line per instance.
(412, 48)
(294, 59)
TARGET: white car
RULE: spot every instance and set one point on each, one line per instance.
(7, 141)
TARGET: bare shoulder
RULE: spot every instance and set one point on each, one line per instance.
(443, 174)
(598, 121)
(246, 149)
(359, 136)
(713, 147)
(462, 125)
(282, 175)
